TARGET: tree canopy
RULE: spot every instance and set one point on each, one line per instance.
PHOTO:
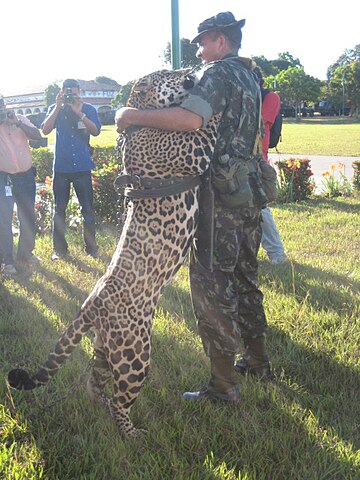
(51, 93)
(188, 54)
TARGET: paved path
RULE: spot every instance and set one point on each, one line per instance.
(319, 164)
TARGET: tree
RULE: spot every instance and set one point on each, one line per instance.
(123, 95)
(344, 86)
(188, 54)
(107, 81)
(265, 65)
(346, 58)
(272, 67)
(296, 87)
(284, 61)
(51, 93)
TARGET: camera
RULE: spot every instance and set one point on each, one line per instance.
(4, 114)
(69, 97)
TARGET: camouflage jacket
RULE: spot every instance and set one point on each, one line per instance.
(229, 86)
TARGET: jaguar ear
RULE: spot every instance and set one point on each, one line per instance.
(189, 82)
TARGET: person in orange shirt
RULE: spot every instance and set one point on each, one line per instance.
(270, 240)
(17, 184)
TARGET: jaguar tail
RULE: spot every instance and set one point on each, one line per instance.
(69, 340)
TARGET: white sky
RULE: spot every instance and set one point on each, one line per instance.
(46, 41)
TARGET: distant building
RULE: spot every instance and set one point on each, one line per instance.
(32, 100)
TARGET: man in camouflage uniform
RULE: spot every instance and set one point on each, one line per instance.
(226, 299)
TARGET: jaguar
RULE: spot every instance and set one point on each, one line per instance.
(157, 233)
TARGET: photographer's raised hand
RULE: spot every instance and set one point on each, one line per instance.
(49, 122)
(30, 130)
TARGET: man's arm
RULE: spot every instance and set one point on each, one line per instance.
(26, 126)
(174, 118)
(30, 131)
(49, 122)
(91, 127)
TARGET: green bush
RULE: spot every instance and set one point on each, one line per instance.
(106, 198)
(356, 176)
(43, 161)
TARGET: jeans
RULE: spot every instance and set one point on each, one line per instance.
(82, 183)
(24, 191)
(271, 241)
(6, 215)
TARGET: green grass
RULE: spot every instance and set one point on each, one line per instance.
(107, 137)
(306, 425)
(321, 136)
(310, 136)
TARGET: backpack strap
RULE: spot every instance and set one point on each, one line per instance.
(258, 145)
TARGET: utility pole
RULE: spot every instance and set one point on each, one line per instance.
(175, 43)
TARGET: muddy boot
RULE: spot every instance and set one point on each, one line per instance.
(254, 360)
(223, 385)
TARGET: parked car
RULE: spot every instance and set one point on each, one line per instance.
(287, 111)
(307, 112)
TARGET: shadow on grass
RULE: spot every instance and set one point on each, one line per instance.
(319, 288)
(321, 386)
(276, 432)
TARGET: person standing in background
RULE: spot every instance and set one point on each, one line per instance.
(74, 122)
(17, 184)
(270, 240)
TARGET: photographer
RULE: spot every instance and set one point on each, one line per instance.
(17, 183)
(74, 122)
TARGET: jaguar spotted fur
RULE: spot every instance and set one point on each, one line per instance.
(155, 239)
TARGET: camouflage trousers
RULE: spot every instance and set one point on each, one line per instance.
(227, 302)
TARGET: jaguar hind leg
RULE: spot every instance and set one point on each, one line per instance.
(121, 416)
(100, 374)
(129, 376)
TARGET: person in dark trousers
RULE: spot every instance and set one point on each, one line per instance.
(225, 295)
(74, 122)
(17, 184)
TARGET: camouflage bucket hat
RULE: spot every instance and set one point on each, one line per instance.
(220, 22)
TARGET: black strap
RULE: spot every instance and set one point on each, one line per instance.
(145, 187)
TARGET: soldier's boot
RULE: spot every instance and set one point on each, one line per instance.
(223, 385)
(254, 361)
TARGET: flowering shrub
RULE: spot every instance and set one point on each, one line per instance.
(335, 183)
(294, 181)
(106, 198)
(43, 161)
(356, 176)
(44, 203)
(43, 207)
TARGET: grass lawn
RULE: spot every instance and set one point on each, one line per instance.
(310, 136)
(321, 136)
(305, 425)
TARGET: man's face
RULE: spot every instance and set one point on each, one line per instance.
(209, 47)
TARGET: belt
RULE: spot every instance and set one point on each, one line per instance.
(145, 187)
(18, 174)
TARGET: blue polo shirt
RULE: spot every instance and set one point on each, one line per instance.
(71, 142)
